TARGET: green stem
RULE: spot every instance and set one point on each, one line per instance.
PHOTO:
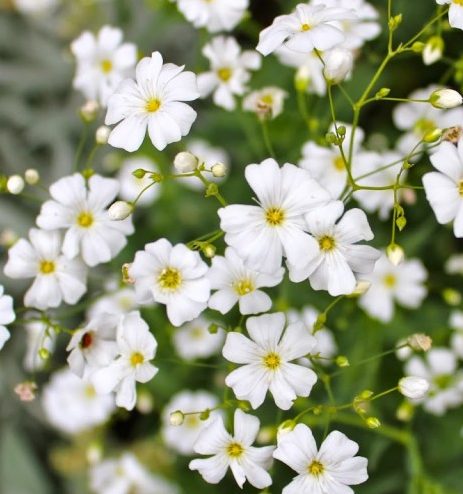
(267, 140)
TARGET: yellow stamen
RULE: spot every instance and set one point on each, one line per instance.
(274, 216)
(152, 105)
(47, 267)
(272, 361)
(224, 74)
(170, 279)
(460, 183)
(106, 66)
(339, 164)
(85, 219)
(326, 243)
(306, 27)
(136, 359)
(235, 450)
(390, 280)
(243, 287)
(316, 468)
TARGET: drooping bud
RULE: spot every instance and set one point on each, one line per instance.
(338, 65)
(120, 210)
(395, 254)
(433, 50)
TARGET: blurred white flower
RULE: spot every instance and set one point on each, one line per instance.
(331, 468)
(229, 71)
(454, 264)
(181, 438)
(103, 61)
(456, 340)
(80, 208)
(219, 15)
(404, 284)
(118, 302)
(171, 275)
(39, 336)
(154, 102)
(36, 7)
(455, 12)
(266, 102)
(235, 452)
(56, 278)
(236, 282)
(72, 405)
(267, 357)
(7, 316)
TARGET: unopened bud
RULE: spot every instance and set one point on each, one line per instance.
(176, 418)
(366, 394)
(413, 387)
(205, 414)
(139, 173)
(382, 93)
(219, 170)
(120, 210)
(213, 328)
(31, 176)
(373, 422)
(338, 65)
(209, 250)
(8, 237)
(89, 111)
(126, 278)
(405, 411)
(394, 22)
(302, 78)
(15, 184)
(145, 403)
(285, 427)
(419, 342)
(342, 361)
(432, 136)
(445, 98)
(102, 135)
(44, 354)
(433, 50)
(185, 162)
(418, 46)
(319, 322)
(401, 222)
(395, 254)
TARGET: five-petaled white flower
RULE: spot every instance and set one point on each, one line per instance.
(171, 275)
(245, 461)
(103, 61)
(339, 260)
(56, 278)
(7, 316)
(308, 27)
(267, 357)
(153, 102)
(263, 234)
(136, 347)
(444, 188)
(328, 470)
(215, 16)
(229, 70)
(235, 282)
(81, 209)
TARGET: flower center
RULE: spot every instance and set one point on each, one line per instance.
(235, 450)
(272, 361)
(106, 66)
(196, 333)
(306, 27)
(191, 421)
(243, 287)
(390, 280)
(87, 340)
(136, 359)
(90, 391)
(170, 279)
(458, 2)
(316, 468)
(85, 219)
(152, 105)
(274, 216)
(460, 183)
(224, 74)
(47, 267)
(338, 163)
(267, 99)
(443, 381)
(326, 243)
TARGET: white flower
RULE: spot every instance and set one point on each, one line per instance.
(7, 316)
(72, 405)
(339, 261)
(266, 102)
(80, 209)
(219, 15)
(339, 63)
(445, 98)
(181, 438)
(326, 164)
(153, 102)
(329, 469)
(363, 27)
(103, 61)
(413, 387)
(235, 282)
(93, 346)
(444, 188)
(229, 71)
(56, 278)
(38, 336)
(404, 284)
(136, 347)
(131, 186)
(446, 383)
(245, 461)
(267, 360)
(263, 234)
(118, 302)
(455, 12)
(433, 50)
(308, 27)
(171, 275)
(125, 476)
(35, 7)
(193, 339)
(454, 264)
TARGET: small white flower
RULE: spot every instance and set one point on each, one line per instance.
(193, 339)
(339, 63)
(329, 469)
(7, 316)
(171, 275)
(56, 278)
(131, 186)
(103, 61)
(35, 7)
(308, 27)
(339, 261)
(263, 234)
(454, 264)
(93, 346)
(153, 102)
(219, 15)
(235, 452)
(181, 438)
(413, 387)
(125, 476)
(15, 184)
(455, 12)
(118, 302)
(444, 188)
(439, 368)
(72, 405)
(136, 347)
(229, 71)
(39, 336)
(235, 282)
(266, 102)
(446, 98)
(404, 284)
(267, 358)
